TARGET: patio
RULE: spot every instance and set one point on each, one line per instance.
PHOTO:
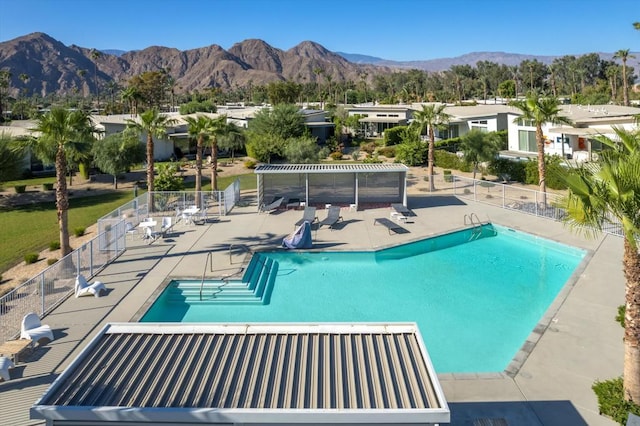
(579, 343)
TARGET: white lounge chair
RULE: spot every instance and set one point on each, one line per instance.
(5, 365)
(33, 329)
(83, 288)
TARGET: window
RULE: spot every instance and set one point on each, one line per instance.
(449, 133)
(526, 123)
(527, 141)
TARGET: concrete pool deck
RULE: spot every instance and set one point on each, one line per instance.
(582, 342)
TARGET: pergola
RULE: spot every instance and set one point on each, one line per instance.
(342, 184)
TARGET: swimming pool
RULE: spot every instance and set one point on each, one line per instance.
(475, 296)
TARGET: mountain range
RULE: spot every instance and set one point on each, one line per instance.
(40, 64)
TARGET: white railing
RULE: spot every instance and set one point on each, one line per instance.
(46, 290)
(519, 199)
(49, 288)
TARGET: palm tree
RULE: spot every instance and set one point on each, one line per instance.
(152, 124)
(540, 110)
(217, 127)
(198, 128)
(5, 82)
(431, 117)
(62, 133)
(131, 95)
(623, 54)
(233, 139)
(479, 146)
(597, 193)
(95, 55)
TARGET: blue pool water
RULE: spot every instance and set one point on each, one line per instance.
(475, 302)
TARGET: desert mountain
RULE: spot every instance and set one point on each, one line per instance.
(41, 65)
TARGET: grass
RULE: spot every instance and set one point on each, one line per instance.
(29, 182)
(30, 228)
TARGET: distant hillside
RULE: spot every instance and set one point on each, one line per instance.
(114, 52)
(361, 59)
(53, 67)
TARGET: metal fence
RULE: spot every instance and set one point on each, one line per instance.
(518, 199)
(49, 288)
(171, 203)
(46, 290)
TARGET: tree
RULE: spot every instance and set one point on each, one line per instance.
(116, 153)
(540, 110)
(233, 139)
(167, 178)
(597, 193)
(479, 146)
(623, 54)
(198, 128)
(5, 82)
(303, 150)
(61, 131)
(11, 158)
(217, 127)
(431, 116)
(95, 55)
(151, 86)
(283, 120)
(152, 124)
(131, 96)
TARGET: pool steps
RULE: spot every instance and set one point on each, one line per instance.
(254, 288)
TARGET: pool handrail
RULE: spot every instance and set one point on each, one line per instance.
(204, 272)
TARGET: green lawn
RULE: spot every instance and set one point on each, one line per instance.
(30, 228)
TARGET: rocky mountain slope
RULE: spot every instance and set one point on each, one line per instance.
(51, 67)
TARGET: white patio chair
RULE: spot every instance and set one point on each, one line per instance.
(33, 329)
(167, 223)
(83, 288)
(130, 229)
(5, 365)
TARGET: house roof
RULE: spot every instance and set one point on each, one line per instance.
(330, 168)
(249, 373)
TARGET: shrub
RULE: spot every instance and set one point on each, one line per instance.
(54, 245)
(47, 186)
(368, 147)
(250, 164)
(79, 231)
(387, 151)
(51, 261)
(336, 155)
(447, 176)
(30, 258)
(393, 136)
(446, 160)
(20, 189)
(611, 400)
(413, 153)
(509, 169)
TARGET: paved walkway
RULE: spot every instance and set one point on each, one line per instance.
(582, 342)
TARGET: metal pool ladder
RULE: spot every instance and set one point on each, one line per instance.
(473, 220)
(209, 260)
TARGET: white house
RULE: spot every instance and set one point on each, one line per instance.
(576, 141)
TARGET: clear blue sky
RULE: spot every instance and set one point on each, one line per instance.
(389, 29)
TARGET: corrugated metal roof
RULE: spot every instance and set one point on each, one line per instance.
(240, 367)
(331, 168)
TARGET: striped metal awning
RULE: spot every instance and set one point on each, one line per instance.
(330, 168)
(250, 373)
